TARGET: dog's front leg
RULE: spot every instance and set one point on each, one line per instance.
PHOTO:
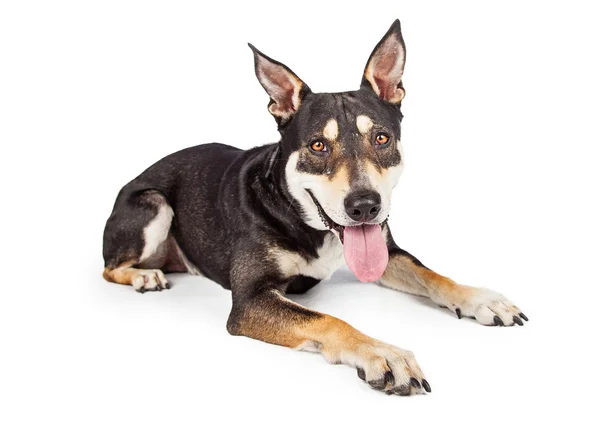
(268, 316)
(405, 273)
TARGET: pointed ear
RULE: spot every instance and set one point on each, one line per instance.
(383, 73)
(283, 86)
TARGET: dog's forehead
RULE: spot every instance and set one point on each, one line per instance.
(343, 114)
(346, 121)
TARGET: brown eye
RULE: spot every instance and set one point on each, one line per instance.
(381, 138)
(317, 146)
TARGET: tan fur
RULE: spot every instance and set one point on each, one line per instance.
(274, 319)
(376, 175)
(332, 334)
(340, 181)
(141, 279)
(268, 319)
(401, 276)
(331, 130)
(404, 275)
(122, 274)
(335, 337)
(334, 186)
(364, 124)
(486, 306)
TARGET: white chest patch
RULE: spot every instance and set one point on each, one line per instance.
(330, 258)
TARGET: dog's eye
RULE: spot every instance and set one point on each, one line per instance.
(318, 146)
(381, 139)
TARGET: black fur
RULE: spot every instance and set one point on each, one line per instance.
(231, 207)
(224, 202)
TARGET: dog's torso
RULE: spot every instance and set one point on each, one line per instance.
(227, 201)
(279, 218)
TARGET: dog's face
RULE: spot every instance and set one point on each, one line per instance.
(342, 150)
(344, 158)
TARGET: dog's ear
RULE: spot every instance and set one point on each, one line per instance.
(383, 73)
(283, 86)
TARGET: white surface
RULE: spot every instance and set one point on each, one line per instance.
(500, 190)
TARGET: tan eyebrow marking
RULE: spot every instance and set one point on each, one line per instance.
(331, 130)
(364, 124)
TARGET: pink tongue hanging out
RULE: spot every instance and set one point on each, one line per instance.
(365, 251)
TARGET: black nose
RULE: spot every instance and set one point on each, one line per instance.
(362, 205)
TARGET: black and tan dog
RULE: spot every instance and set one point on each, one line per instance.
(280, 218)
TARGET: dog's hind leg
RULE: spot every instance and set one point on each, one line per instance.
(137, 240)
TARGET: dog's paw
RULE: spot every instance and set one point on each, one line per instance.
(390, 369)
(149, 280)
(487, 307)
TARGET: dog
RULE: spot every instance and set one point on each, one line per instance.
(280, 218)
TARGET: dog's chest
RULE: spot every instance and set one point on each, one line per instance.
(330, 258)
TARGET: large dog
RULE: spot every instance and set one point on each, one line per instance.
(280, 218)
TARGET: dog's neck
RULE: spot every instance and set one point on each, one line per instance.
(282, 206)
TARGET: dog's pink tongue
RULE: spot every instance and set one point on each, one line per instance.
(365, 251)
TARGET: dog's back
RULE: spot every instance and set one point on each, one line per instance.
(187, 190)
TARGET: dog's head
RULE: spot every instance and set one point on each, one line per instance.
(342, 150)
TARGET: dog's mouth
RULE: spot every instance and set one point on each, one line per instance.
(327, 221)
(332, 225)
(365, 249)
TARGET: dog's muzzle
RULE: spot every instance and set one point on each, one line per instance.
(365, 249)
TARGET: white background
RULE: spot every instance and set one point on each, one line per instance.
(500, 190)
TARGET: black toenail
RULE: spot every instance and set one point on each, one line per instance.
(426, 385)
(522, 315)
(414, 382)
(517, 320)
(497, 320)
(389, 377)
(361, 373)
(458, 313)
